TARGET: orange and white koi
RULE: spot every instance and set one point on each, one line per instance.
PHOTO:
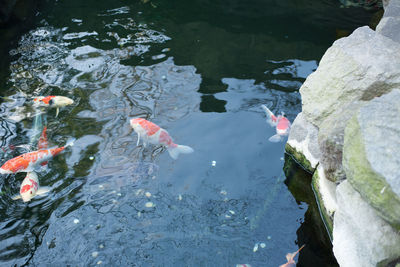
(281, 123)
(28, 162)
(154, 134)
(53, 101)
(30, 188)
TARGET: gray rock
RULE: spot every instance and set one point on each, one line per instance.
(392, 8)
(302, 143)
(360, 236)
(370, 155)
(330, 140)
(389, 25)
(354, 68)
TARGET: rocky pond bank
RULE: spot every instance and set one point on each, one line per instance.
(348, 137)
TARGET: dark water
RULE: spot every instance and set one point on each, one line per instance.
(200, 69)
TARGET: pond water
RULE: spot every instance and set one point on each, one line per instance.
(200, 69)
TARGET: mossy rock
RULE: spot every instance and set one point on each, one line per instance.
(370, 155)
(326, 217)
(299, 158)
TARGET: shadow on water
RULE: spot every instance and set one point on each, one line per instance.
(199, 69)
(312, 232)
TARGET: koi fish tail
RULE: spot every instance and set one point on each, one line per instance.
(275, 138)
(271, 118)
(175, 151)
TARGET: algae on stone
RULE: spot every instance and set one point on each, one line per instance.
(371, 185)
(302, 143)
(326, 214)
(299, 158)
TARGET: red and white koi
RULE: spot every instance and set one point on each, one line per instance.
(53, 101)
(154, 134)
(30, 188)
(28, 162)
(281, 123)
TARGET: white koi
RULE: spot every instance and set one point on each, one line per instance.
(154, 134)
(53, 101)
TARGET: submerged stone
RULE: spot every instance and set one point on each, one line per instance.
(370, 155)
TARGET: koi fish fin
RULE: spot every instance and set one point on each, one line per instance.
(57, 111)
(145, 141)
(7, 98)
(70, 142)
(43, 190)
(271, 118)
(275, 138)
(175, 151)
(138, 139)
(16, 197)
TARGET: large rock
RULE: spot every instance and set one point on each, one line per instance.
(371, 155)
(389, 25)
(359, 67)
(360, 236)
(330, 140)
(302, 143)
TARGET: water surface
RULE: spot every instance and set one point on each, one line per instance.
(201, 70)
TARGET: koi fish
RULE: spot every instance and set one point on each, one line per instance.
(281, 123)
(290, 258)
(154, 134)
(53, 101)
(30, 161)
(30, 188)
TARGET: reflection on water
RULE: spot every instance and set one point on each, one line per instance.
(200, 76)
